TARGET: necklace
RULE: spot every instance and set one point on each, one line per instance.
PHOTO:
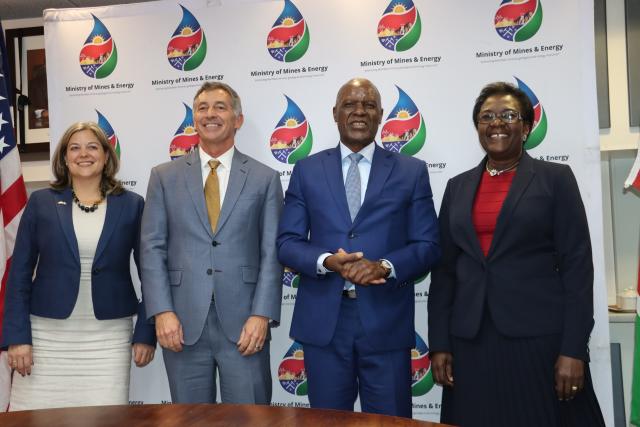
(86, 208)
(495, 172)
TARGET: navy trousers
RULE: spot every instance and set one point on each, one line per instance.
(349, 366)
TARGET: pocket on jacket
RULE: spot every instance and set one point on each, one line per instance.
(175, 277)
(249, 274)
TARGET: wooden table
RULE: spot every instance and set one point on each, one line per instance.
(199, 415)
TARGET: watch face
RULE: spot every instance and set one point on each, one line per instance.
(386, 265)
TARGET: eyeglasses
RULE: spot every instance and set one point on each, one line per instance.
(506, 116)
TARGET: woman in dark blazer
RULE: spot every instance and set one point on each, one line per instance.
(68, 328)
(511, 303)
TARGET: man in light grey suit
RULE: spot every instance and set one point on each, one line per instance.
(210, 276)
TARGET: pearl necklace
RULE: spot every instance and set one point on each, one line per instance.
(495, 172)
(85, 208)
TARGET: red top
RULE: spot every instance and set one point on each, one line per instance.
(487, 204)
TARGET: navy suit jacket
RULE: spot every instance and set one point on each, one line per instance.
(46, 238)
(537, 278)
(397, 222)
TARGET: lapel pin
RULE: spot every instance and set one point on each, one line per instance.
(62, 202)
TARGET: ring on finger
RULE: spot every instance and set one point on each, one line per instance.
(574, 388)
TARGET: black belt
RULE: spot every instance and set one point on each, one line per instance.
(351, 294)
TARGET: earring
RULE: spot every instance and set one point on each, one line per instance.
(524, 137)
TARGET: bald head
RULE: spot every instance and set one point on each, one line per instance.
(358, 82)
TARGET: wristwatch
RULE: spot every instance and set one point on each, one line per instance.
(386, 265)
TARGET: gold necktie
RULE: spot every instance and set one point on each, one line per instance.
(212, 194)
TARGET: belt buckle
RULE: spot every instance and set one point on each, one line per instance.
(351, 293)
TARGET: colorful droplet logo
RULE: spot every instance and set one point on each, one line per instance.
(292, 138)
(289, 37)
(291, 372)
(98, 56)
(518, 20)
(400, 26)
(421, 376)
(539, 129)
(108, 130)
(188, 45)
(290, 278)
(404, 130)
(185, 138)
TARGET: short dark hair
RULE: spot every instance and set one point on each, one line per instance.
(236, 104)
(62, 179)
(504, 88)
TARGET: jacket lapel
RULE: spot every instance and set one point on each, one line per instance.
(332, 164)
(467, 196)
(112, 217)
(381, 166)
(193, 178)
(524, 175)
(237, 178)
(63, 204)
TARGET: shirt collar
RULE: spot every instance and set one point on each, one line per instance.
(367, 152)
(225, 158)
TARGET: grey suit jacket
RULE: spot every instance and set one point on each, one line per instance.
(185, 264)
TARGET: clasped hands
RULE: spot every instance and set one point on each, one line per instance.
(355, 268)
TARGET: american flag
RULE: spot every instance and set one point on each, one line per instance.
(633, 180)
(13, 198)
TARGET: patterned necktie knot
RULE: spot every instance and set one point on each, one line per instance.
(355, 157)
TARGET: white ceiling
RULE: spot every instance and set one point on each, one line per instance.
(18, 9)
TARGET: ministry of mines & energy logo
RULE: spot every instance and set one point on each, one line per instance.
(188, 45)
(539, 128)
(292, 138)
(185, 138)
(290, 278)
(108, 130)
(404, 130)
(399, 28)
(289, 37)
(291, 373)
(421, 376)
(98, 56)
(518, 20)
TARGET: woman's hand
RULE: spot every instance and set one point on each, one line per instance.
(442, 368)
(20, 358)
(569, 377)
(143, 354)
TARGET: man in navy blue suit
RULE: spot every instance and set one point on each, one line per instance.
(359, 226)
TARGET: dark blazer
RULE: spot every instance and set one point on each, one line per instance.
(46, 238)
(537, 278)
(396, 222)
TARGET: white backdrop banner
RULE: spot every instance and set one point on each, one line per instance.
(135, 68)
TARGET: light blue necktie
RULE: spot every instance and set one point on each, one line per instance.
(353, 190)
(352, 185)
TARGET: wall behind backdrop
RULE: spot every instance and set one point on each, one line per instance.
(135, 68)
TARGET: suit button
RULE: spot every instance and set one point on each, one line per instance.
(96, 271)
(214, 243)
(352, 235)
(209, 271)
